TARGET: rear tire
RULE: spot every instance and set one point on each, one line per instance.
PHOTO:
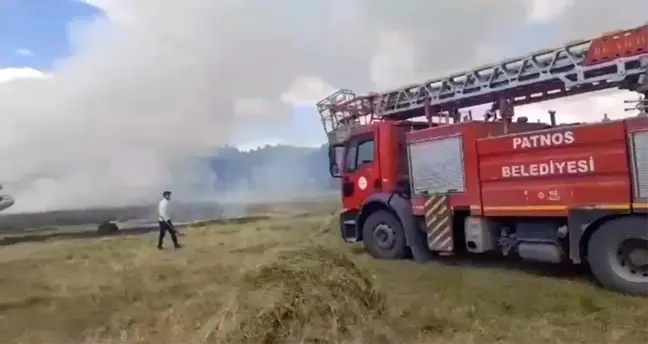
(617, 255)
(382, 234)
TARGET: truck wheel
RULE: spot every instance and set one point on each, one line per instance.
(383, 236)
(618, 255)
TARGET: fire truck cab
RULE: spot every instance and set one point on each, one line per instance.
(451, 185)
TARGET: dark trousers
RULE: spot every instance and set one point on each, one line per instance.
(167, 227)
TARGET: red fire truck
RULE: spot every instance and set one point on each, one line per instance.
(451, 185)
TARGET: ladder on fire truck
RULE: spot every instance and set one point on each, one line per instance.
(614, 60)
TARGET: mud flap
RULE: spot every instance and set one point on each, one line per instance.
(438, 223)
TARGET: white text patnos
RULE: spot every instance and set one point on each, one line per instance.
(560, 138)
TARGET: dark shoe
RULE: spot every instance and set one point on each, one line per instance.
(178, 246)
(160, 248)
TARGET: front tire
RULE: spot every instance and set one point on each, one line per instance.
(618, 255)
(383, 236)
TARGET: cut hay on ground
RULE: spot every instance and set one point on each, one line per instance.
(312, 295)
(289, 279)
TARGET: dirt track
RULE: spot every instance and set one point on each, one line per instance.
(185, 212)
(182, 212)
(137, 220)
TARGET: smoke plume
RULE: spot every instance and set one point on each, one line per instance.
(151, 84)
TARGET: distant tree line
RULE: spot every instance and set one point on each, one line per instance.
(281, 167)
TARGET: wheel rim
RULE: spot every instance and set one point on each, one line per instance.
(384, 236)
(631, 260)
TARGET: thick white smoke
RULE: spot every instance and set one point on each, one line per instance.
(155, 83)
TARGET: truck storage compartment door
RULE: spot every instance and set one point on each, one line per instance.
(436, 170)
(639, 156)
(436, 166)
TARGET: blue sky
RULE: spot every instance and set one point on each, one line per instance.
(33, 33)
(38, 26)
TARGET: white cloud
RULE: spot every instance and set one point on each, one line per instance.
(547, 10)
(163, 80)
(9, 74)
(24, 52)
(392, 64)
(583, 108)
(306, 91)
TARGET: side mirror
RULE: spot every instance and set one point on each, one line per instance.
(334, 170)
(335, 159)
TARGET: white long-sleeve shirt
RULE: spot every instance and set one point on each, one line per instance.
(163, 211)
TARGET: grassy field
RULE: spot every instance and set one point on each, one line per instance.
(289, 279)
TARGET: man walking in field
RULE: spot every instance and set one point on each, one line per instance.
(164, 220)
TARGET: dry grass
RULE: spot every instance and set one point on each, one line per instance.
(288, 280)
